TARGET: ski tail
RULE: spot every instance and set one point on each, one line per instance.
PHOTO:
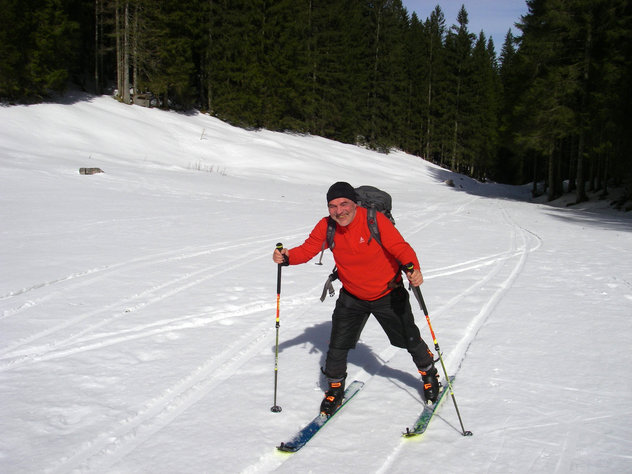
(428, 412)
(301, 438)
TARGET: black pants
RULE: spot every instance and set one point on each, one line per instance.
(393, 313)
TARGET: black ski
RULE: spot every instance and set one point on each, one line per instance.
(301, 438)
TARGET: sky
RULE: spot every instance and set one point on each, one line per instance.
(137, 307)
(494, 17)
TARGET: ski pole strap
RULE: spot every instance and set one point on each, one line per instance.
(328, 285)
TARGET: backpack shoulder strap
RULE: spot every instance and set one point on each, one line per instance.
(329, 240)
(329, 288)
(331, 231)
(371, 220)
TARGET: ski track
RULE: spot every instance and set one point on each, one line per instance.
(13, 357)
(507, 266)
(428, 215)
(110, 446)
(99, 273)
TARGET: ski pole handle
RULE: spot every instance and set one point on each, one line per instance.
(416, 291)
(279, 247)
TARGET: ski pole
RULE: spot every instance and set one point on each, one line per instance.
(276, 408)
(422, 304)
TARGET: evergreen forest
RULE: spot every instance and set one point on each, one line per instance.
(551, 105)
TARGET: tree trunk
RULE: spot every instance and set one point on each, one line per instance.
(581, 180)
(98, 47)
(572, 164)
(551, 173)
(534, 190)
(117, 34)
(429, 123)
(455, 162)
(126, 97)
(454, 139)
(209, 76)
(135, 52)
(373, 112)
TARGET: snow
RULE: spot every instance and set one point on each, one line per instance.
(137, 307)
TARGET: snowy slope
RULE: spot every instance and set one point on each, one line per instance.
(137, 307)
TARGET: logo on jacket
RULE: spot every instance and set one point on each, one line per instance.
(361, 239)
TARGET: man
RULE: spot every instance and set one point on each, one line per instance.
(371, 284)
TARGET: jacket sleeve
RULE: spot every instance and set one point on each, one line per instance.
(312, 245)
(395, 244)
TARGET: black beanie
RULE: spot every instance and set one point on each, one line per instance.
(341, 190)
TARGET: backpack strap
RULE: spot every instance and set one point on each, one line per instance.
(371, 220)
(333, 276)
(371, 217)
(331, 231)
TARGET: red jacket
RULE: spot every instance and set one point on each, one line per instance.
(364, 268)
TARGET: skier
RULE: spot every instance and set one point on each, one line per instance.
(371, 284)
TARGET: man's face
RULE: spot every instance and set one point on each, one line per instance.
(342, 210)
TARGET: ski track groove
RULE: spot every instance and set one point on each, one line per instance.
(75, 346)
(98, 273)
(129, 303)
(519, 250)
(430, 219)
(141, 300)
(109, 447)
(520, 245)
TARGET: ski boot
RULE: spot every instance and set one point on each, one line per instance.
(333, 396)
(430, 378)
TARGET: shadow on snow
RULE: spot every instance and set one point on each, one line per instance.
(316, 337)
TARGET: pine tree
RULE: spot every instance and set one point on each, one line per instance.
(388, 22)
(336, 68)
(459, 47)
(285, 65)
(437, 83)
(481, 127)
(510, 164)
(545, 108)
(234, 62)
(38, 46)
(416, 85)
(568, 55)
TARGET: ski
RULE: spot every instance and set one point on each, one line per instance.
(301, 438)
(428, 412)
